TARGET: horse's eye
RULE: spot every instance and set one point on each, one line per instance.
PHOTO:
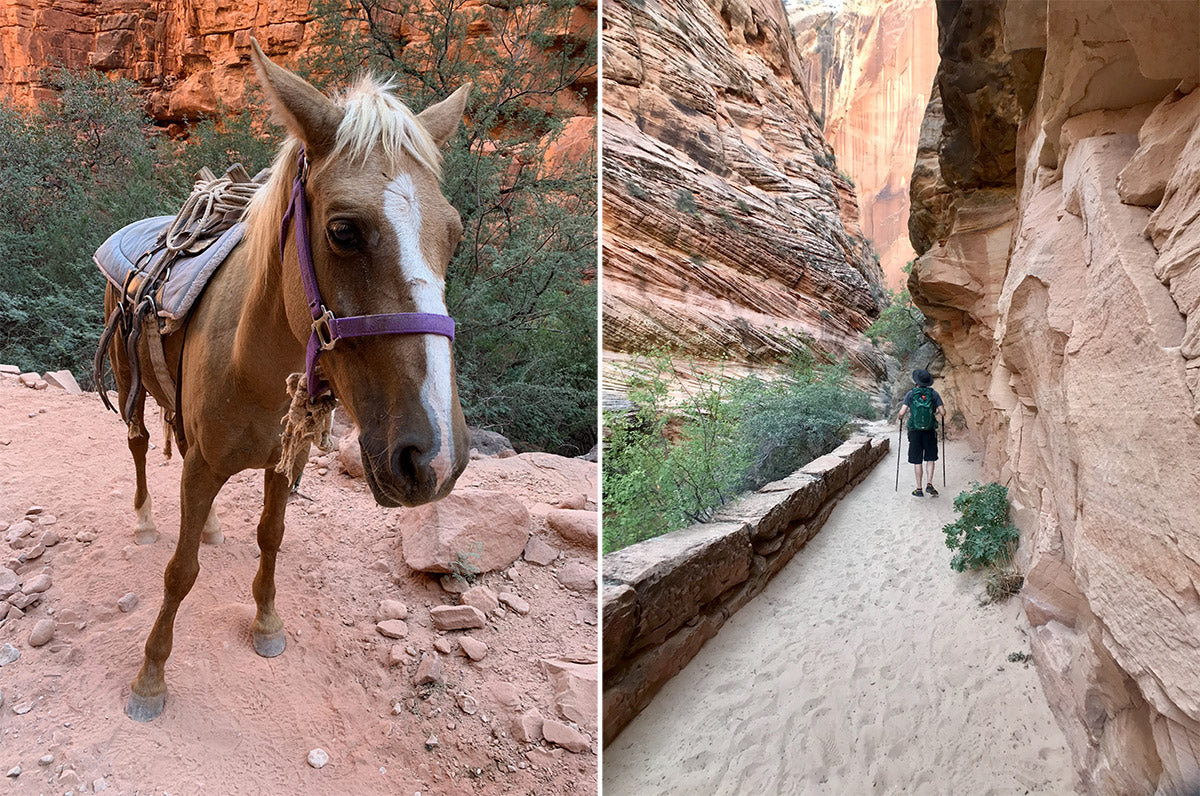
(344, 235)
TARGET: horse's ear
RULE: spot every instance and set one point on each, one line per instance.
(306, 112)
(441, 120)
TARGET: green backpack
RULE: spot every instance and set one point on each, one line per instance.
(921, 408)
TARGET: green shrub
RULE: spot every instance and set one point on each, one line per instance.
(901, 326)
(522, 285)
(685, 202)
(694, 441)
(982, 537)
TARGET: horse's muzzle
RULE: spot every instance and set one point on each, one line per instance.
(408, 473)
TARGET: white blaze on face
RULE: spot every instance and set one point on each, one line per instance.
(428, 292)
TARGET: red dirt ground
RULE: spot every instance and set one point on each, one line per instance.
(236, 723)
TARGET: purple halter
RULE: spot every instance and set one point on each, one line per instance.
(327, 328)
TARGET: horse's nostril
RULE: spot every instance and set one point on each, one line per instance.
(408, 463)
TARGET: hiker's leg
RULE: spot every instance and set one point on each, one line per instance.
(917, 470)
(929, 468)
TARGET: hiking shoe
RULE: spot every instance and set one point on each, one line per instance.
(918, 493)
(932, 492)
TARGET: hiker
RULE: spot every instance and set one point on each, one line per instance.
(923, 407)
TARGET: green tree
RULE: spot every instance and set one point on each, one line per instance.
(522, 285)
(901, 325)
(73, 171)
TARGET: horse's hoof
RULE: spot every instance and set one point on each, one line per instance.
(145, 536)
(140, 708)
(269, 646)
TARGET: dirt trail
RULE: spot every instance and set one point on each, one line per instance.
(236, 723)
(866, 666)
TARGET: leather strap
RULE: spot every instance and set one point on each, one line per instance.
(327, 328)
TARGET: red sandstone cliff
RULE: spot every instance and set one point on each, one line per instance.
(187, 54)
(868, 67)
(726, 228)
(1055, 204)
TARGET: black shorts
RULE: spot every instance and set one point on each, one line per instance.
(922, 446)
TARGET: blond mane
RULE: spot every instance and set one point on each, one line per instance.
(372, 117)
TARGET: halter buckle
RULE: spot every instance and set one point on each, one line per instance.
(323, 329)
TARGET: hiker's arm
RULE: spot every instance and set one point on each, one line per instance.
(903, 412)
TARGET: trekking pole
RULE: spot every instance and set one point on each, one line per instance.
(945, 458)
(899, 445)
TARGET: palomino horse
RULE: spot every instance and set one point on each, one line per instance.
(352, 222)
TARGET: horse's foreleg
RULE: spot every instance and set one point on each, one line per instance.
(199, 486)
(268, 628)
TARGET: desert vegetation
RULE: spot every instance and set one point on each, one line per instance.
(693, 441)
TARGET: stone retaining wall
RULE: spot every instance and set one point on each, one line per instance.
(665, 597)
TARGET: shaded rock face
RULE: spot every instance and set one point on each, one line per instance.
(727, 230)
(1055, 201)
(869, 68)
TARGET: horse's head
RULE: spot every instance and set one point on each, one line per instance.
(382, 235)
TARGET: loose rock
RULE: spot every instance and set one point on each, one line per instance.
(45, 760)
(431, 743)
(538, 552)
(42, 632)
(50, 538)
(527, 727)
(514, 602)
(33, 553)
(577, 576)
(9, 654)
(10, 583)
(392, 628)
(429, 670)
(470, 529)
(100, 784)
(128, 602)
(577, 501)
(17, 530)
(580, 527)
(37, 584)
(85, 536)
(481, 597)
(391, 609)
(457, 617)
(396, 655)
(473, 648)
(14, 772)
(47, 520)
(564, 735)
(443, 646)
(318, 757)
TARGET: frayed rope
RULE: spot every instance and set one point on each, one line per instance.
(308, 421)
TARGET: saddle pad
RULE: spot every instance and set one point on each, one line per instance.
(127, 251)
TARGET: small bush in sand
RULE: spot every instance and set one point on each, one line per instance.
(1003, 583)
(982, 537)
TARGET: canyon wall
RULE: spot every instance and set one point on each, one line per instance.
(868, 67)
(1056, 207)
(728, 233)
(188, 55)
(192, 55)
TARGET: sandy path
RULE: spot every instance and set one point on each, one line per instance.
(866, 666)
